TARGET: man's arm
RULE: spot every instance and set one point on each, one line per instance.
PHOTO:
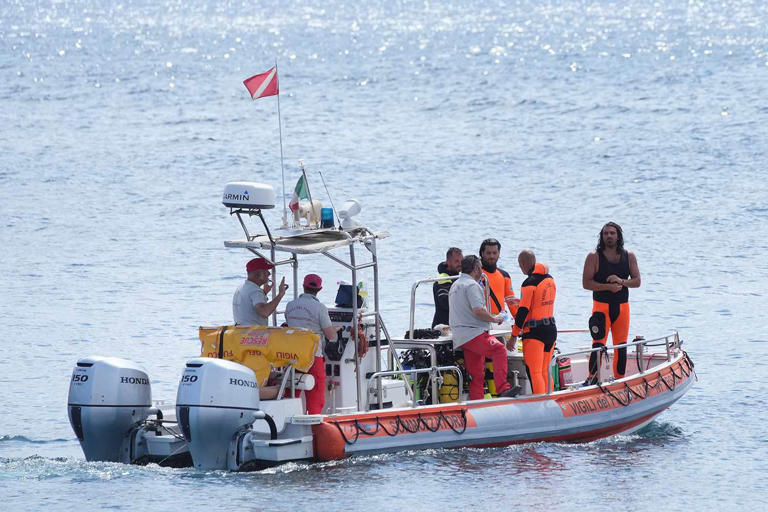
(329, 330)
(509, 297)
(524, 309)
(588, 277)
(477, 303)
(634, 272)
(483, 315)
(267, 308)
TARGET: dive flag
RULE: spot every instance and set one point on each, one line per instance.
(299, 192)
(262, 85)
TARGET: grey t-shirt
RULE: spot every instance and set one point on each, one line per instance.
(464, 295)
(246, 297)
(308, 312)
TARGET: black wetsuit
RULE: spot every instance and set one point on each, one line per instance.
(440, 294)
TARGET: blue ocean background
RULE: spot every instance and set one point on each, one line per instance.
(533, 122)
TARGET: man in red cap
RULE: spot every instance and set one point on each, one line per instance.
(250, 305)
(308, 312)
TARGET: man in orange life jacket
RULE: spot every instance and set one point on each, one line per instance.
(609, 271)
(535, 318)
(499, 282)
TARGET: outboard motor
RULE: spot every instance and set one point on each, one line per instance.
(107, 397)
(216, 399)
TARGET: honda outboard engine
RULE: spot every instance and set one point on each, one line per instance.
(216, 399)
(107, 397)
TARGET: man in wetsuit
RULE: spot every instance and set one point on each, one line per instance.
(450, 267)
(469, 321)
(609, 272)
(499, 282)
(250, 305)
(535, 318)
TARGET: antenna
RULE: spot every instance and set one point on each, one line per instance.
(282, 165)
(330, 198)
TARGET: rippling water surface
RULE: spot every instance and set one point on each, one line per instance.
(534, 122)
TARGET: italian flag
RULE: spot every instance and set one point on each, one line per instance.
(299, 192)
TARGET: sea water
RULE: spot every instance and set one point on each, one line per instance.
(532, 122)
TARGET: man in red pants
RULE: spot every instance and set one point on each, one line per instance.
(308, 312)
(469, 320)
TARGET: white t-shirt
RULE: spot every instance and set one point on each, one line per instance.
(308, 312)
(244, 303)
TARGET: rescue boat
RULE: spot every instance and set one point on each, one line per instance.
(239, 405)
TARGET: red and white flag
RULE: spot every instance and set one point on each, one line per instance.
(262, 85)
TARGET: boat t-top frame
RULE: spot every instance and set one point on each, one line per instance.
(307, 241)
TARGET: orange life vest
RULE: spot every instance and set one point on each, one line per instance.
(537, 300)
(501, 291)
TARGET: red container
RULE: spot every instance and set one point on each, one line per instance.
(564, 372)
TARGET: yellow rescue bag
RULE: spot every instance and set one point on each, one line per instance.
(261, 348)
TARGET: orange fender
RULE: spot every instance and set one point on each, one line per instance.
(327, 442)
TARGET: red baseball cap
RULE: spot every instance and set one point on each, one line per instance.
(313, 281)
(258, 264)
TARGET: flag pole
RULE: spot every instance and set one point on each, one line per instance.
(280, 130)
(330, 199)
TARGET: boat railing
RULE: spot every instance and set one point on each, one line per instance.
(435, 374)
(414, 287)
(288, 377)
(393, 361)
(671, 342)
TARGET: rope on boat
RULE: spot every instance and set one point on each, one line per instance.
(607, 391)
(628, 391)
(401, 426)
(686, 367)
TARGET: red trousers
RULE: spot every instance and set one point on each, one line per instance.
(316, 395)
(475, 352)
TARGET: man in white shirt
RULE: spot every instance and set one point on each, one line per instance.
(469, 320)
(308, 312)
(249, 304)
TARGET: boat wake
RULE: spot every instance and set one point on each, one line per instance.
(660, 430)
(38, 467)
(23, 439)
